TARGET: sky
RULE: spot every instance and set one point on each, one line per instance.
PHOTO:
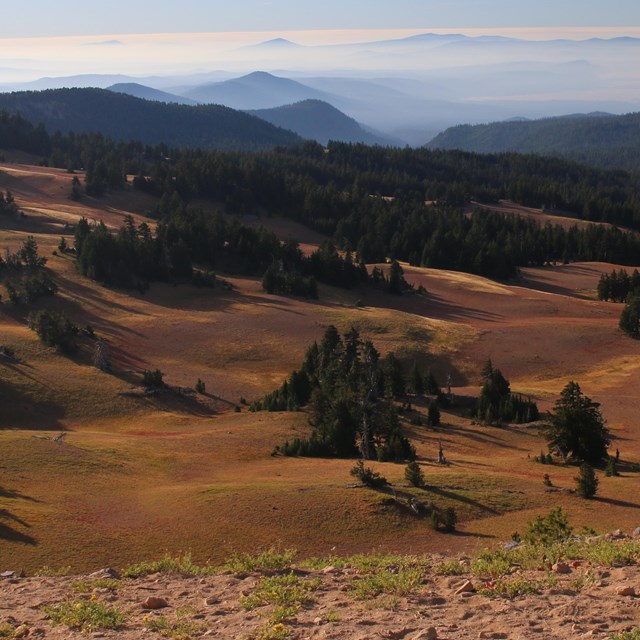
(41, 18)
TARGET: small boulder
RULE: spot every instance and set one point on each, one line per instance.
(330, 569)
(636, 533)
(21, 632)
(154, 602)
(103, 574)
(626, 591)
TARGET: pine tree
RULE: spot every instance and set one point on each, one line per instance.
(586, 481)
(413, 474)
(577, 427)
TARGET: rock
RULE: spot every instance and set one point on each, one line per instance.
(7, 574)
(330, 569)
(107, 573)
(154, 602)
(510, 546)
(21, 632)
(561, 567)
(427, 634)
(466, 587)
(398, 635)
(636, 533)
(494, 635)
(626, 591)
(618, 534)
(211, 600)
(318, 621)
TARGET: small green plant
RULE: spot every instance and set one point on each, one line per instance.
(268, 560)
(278, 631)
(546, 480)
(450, 568)
(413, 474)
(586, 481)
(332, 616)
(368, 476)
(612, 468)
(449, 519)
(7, 631)
(554, 527)
(200, 386)
(85, 615)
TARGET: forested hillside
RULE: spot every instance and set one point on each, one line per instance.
(124, 117)
(598, 139)
(400, 203)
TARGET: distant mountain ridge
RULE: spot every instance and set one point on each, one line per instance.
(320, 121)
(596, 138)
(124, 117)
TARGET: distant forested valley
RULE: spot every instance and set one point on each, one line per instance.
(373, 202)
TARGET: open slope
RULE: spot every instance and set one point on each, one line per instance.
(137, 476)
(124, 117)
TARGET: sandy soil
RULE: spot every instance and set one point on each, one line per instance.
(585, 603)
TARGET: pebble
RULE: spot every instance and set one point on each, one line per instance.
(21, 632)
(211, 600)
(561, 567)
(153, 602)
(493, 635)
(466, 587)
(330, 569)
(105, 573)
(626, 591)
(317, 621)
(636, 533)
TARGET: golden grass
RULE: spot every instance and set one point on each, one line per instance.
(139, 477)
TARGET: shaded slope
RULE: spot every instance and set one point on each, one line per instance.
(600, 139)
(124, 117)
(318, 120)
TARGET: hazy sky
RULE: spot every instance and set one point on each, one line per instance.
(69, 17)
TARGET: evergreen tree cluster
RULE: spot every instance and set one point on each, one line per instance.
(497, 403)
(55, 330)
(630, 316)
(8, 204)
(133, 257)
(342, 382)
(618, 285)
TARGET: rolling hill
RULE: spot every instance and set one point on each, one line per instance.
(601, 139)
(125, 117)
(148, 93)
(320, 121)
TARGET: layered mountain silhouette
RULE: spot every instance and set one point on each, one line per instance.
(318, 120)
(258, 90)
(124, 117)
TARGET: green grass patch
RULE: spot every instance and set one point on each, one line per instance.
(627, 635)
(514, 587)
(399, 581)
(180, 628)
(286, 593)
(88, 586)
(268, 560)
(85, 615)
(450, 568)
(49, 572)
(7, 631)
(183, 565)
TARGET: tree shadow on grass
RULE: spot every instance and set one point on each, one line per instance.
(9, 522)
(617, 503)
